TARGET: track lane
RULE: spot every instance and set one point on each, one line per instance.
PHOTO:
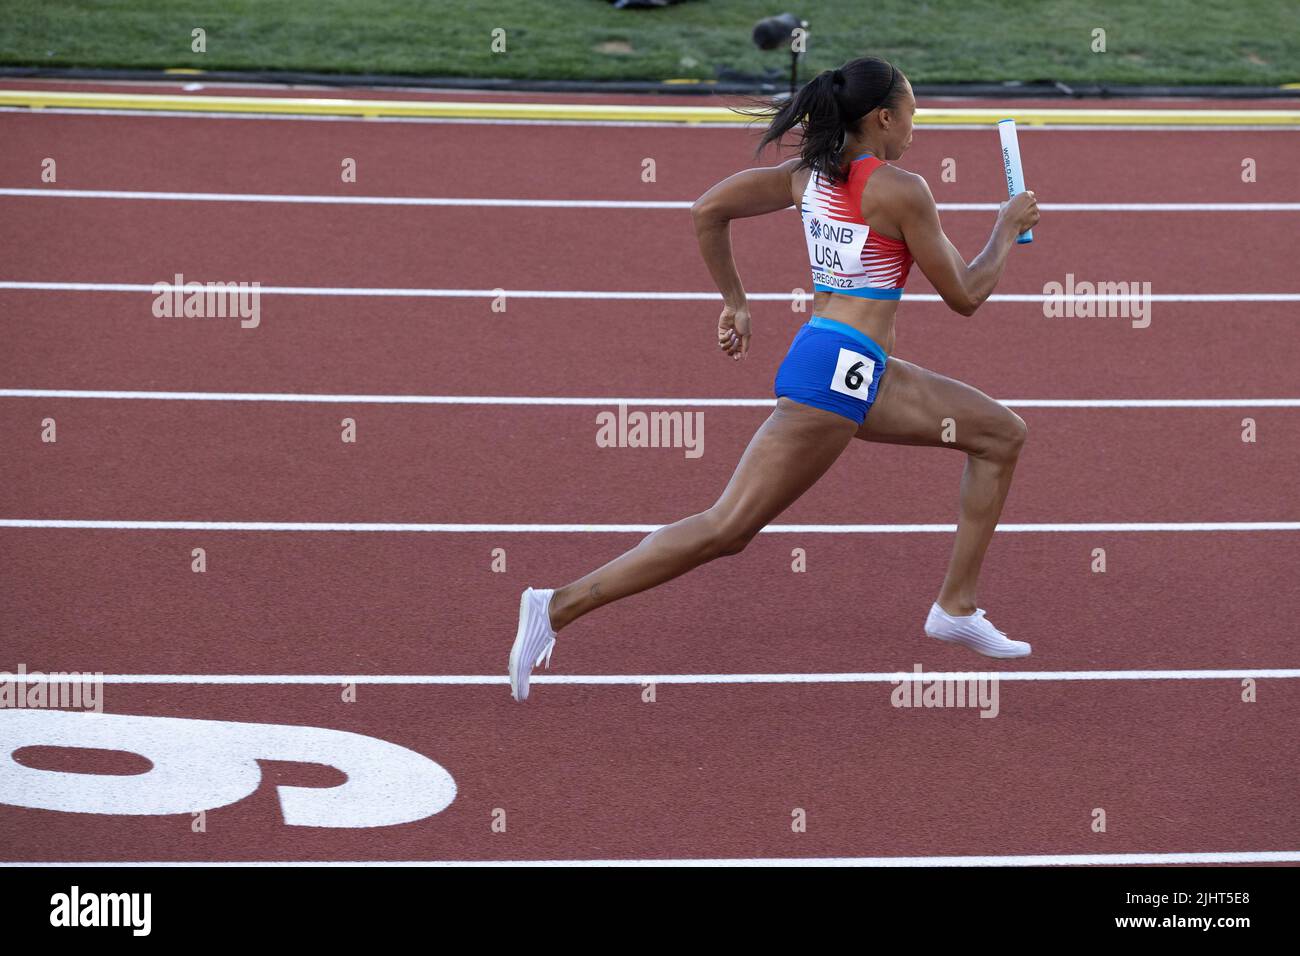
(120, 152)
(83, 240)
(80, 340)
(716, 772)
(242, 462)
(127, 602)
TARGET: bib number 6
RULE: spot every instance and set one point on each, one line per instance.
(854, 373)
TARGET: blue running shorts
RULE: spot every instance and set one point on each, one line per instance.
(832, 366)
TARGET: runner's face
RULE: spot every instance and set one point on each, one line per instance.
(900, 123)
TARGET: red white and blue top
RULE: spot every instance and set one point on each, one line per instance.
(845, 255)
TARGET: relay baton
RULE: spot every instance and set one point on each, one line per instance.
(1011, 166)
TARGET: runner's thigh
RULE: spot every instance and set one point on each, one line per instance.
(915, 406)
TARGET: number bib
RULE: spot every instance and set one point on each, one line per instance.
(854, 373)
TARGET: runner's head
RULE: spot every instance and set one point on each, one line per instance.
(867, 100)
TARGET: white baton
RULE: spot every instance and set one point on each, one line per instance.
(1011, 166)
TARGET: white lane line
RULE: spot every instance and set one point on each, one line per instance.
(459, 528)
(565, 400)
(1042, 859)
(609, 294)
(625, 124)
(350, 200)
(1188, 127)
(473, 680)
(493, 202)
(1134, 207)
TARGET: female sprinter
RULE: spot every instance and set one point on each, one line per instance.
(865, 222)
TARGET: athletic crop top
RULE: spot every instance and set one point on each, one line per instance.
(846, 256)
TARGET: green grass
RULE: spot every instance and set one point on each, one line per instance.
(933, 41)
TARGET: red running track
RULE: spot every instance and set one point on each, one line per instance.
(516, 249)
(397, 159)
(634, 349)
(706, 770)
(127, 602)
(234, 462)
(595, 773)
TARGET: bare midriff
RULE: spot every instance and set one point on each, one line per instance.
(874, 318)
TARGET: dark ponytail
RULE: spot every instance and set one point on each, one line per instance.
(828, 107)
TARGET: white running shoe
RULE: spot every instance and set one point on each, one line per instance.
(534, 641)
(973, 631)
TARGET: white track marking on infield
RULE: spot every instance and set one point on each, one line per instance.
(491, 202)
(1041, 859)
(482, 528)
(603, 680)
(608, 294)
(564, 400)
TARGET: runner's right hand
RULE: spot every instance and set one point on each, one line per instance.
(733, 331)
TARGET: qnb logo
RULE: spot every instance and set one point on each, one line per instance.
(815, 228)
(841, 234)
(74, 908)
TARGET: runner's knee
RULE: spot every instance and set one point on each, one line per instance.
(1002, 437)
(727, 535)
(1010, 434)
